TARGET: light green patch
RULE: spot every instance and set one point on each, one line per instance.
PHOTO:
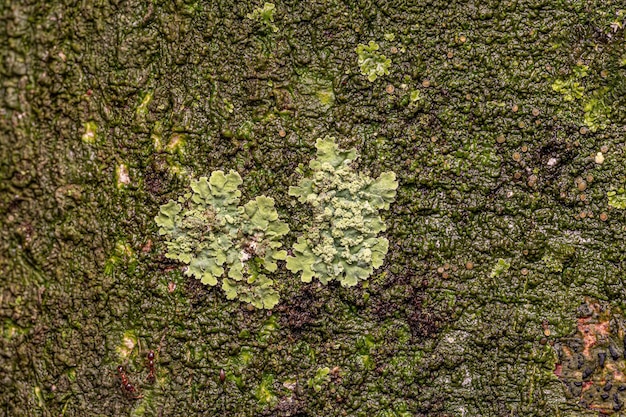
(122, 253)
(245, 130)
(126, 345)
(264, 392)
(326, 97)
(230, 107)
(268, 329)
(207, 229)
(365, 345)
(89, 135)
(617, 198)
(415, 96)
(570, 89)
(265, 16)
(312, 84)
(321, 378)
(156, 135)
(597, 112)
(372, 63)
(39, 397)
(500, 267)
(176, 143)
(389, 37)
(340, 242)
(122, 176)
(142, 108)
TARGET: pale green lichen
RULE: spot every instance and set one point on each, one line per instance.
(500, 267)
(89, 136)
(341, 240)
(617, 198)
(597, 112)
(372, 63)
(571, 88)
(265, 16)
(208, 229)
(321, 378)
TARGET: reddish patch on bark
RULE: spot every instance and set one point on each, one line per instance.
(591, 331)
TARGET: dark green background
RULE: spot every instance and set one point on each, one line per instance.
(427, 336)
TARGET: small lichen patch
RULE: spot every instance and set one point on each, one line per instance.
(122, 176)
(127, 344)
(176, 143)
(89, 135)
(121, 253)
(320, 379)
(264, 393)
(500, 267)
(617, 198)
(326, 97)
(372, 63)
(265, 16)
(142, 108)
(597, 112)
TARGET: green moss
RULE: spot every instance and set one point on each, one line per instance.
(372, 63)
(570, 88)
(207, 229)
(340, 242)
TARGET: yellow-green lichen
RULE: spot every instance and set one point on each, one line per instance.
(207, 229)
(341, 240)
(89, 135)
(617, 198)
(265, 16)
(372, 63)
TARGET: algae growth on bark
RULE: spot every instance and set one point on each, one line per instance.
(503, 121)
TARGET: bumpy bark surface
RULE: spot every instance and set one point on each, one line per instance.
(500, 234)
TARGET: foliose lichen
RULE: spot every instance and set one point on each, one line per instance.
(617, 198)
(371, 62)
(341, 240)
(265, 16)
(207, 229)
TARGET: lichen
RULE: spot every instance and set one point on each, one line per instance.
(89, 136)
(617, 198)
(371, 62)
(341, 240)
(500, 267)
(571, 88)
(321, 378)
(265, 16)
(207, 229)
(597, 111)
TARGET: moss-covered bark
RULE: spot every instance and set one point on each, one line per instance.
(109, 108)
